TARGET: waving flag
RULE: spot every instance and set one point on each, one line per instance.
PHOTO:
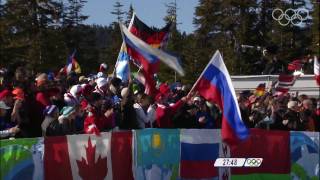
(261, 89)
(156, 38)
(136, 46)
(72, 64)
(285, 82)
(215, 85)
(122, 65)
(317, 70)
(295, 65)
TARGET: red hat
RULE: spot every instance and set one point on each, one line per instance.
(18, 93)
(164, 88)
(87, 89)
(5, 93)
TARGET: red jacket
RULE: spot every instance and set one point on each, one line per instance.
(165, 113)
(94, 123)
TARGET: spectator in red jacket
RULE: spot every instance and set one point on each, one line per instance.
(100, 119)
(164, 111)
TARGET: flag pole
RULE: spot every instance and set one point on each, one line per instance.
(129, 27)
(194, 85)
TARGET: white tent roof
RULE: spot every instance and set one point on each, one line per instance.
(306, 84)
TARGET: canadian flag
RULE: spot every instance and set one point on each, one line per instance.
(317, 70)
(89, 157)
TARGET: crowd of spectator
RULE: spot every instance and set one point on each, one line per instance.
(33, 105)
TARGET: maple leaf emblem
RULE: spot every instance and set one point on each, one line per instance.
(89, 169)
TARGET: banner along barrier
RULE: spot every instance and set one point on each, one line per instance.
(160, 154)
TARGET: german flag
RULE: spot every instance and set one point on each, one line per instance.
(260, 90)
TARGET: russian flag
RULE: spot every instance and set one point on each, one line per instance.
(136, 46)
(199, 153)
(215, 85)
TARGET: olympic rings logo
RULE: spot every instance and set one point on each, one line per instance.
(293, 16)
(253, 162)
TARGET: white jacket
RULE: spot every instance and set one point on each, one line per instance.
(144, 117)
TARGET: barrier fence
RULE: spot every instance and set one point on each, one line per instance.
(160, 154)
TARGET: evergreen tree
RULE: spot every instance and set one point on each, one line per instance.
(118, 11)
(73, 15)
(129, 15)
(175, 42)
(25, 27)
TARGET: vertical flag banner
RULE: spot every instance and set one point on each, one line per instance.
(122, 157)
(305, 155)
(215, 85)
(78, 157)
(199, 150)
(273, 147)
(157, 153)
(21, 158)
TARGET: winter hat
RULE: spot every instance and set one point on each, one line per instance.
(5, 93)
(103, 67)
(101, 82)
(41, 79)
(49, 110)
(67, 111)
(164, 88)
(3, 105)
(76, 90)
(18, 93)
(292, 104)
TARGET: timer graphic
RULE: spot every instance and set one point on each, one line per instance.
(238, 162)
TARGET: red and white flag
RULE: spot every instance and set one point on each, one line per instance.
(295, 65)
(317, 70)
(89, 157)
(285, 82)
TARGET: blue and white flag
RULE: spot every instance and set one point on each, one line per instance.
(122, 66)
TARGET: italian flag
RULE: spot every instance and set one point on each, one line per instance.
(87, 157)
